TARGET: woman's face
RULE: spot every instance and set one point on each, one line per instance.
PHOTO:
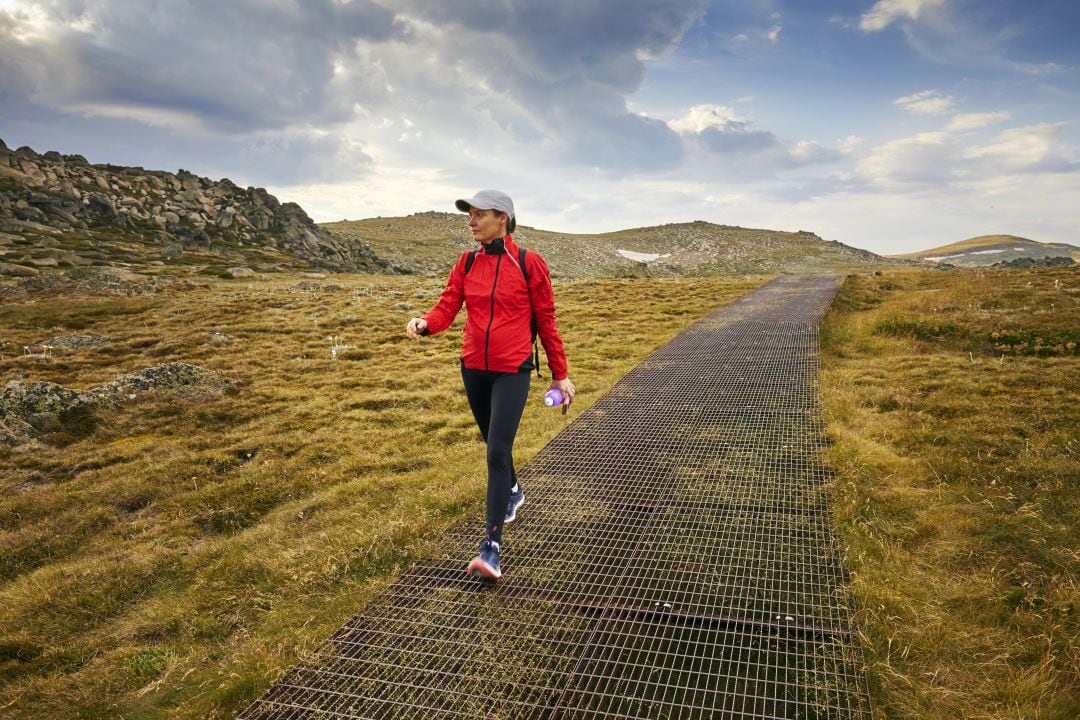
(486, 225)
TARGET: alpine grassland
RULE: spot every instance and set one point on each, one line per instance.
(171, 557)
(953, 405)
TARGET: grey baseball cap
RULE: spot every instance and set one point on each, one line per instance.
(490, 200)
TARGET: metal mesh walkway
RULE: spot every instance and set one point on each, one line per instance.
(673, 559)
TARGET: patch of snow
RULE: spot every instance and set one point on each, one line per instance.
(641, 257)
(973, 252)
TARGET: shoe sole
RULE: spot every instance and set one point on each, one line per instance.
(479, 567)
(513, 513)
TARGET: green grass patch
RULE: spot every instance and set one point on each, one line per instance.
(920, 328)
(63, 314)
(957, 485)
(149, 663)
(1043, 344)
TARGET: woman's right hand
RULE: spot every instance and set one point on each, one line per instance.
(415, 327)
(567, 389)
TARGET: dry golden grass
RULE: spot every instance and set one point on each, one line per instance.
(957, 499)
(172, 559)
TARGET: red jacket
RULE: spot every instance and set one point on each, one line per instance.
(498, 323)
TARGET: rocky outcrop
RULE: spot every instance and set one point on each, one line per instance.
(15, 270)
(29, 410)
(174, 378)
(36, 408)
(1027, 263)
(49, 195)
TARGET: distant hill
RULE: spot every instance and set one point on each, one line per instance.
(62, 214)
(432, 241)
(988, 250)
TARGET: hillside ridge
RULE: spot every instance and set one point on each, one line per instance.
(991, 250)
(61, 210)
(431, 241)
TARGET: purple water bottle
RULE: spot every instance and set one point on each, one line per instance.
(553, 397)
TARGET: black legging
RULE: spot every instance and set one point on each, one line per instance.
(497, 401)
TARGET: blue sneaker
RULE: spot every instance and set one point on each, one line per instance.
(517, 499)
(487, 562)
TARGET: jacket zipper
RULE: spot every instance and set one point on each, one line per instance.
(491, 317)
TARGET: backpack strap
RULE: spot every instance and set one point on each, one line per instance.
(533, 325)
(470, 260)
(524, 270)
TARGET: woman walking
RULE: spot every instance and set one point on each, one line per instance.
(509, 302)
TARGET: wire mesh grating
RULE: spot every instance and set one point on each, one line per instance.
(674, 559)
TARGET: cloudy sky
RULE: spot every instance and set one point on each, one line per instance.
(894, 125)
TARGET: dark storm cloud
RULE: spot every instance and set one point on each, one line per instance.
(558, 40)
(547, 79)
(568, 65)
(240, 65)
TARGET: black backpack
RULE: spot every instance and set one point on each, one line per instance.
(521, 264)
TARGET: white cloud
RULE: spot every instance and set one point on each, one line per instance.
(850, 144)
(926, 158)
(26, 22)
(755, 38)
(973, 121)
(886, 12)
(927, 102)
(807, 152)
(1035, 148)
(701, 117)
(945, 160)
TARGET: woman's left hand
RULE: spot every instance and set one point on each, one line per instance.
(567, 389)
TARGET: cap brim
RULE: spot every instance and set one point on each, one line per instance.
(462, 205)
